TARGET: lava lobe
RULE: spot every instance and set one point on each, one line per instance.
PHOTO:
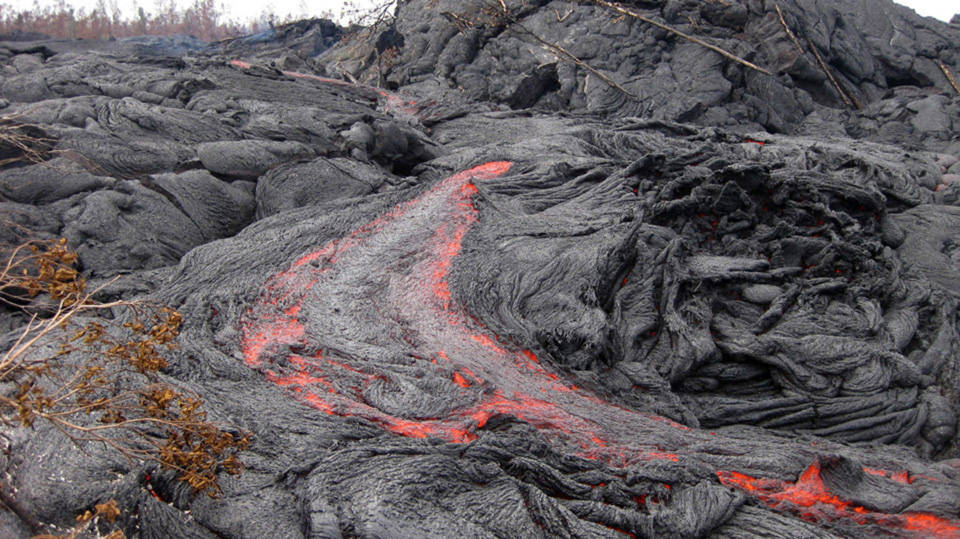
(368, 326)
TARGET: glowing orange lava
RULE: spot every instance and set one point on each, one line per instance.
(501, 379)
(392, 274)
(809, 498)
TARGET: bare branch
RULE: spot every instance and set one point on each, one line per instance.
(561, 18)
(849, 100)
(7, 499)
(622, 10)
(949, 75)
(787, 29)
(505, 15)
(557, 48)
(101, 384)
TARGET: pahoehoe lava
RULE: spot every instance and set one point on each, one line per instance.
(395, 270)
(459, 284)
(310, 332)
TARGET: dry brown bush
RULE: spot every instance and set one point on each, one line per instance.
(92, 369)
(112, 376)
(98, 380)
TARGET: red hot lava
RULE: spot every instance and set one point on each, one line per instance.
(368, 326)
(810, 498)
(415, 244)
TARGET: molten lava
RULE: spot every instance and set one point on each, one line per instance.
(809, 498)
(368, 326)
(416, 244)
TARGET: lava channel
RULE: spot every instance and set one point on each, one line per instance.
(367, 326)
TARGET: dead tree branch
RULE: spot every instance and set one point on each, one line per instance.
(849, 100)
(99, 382)
(503, 15)
(624, 11)
(787, 29)
(949, 75)
(558, 49)
(18, 509)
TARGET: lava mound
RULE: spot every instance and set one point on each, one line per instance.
(526, 269)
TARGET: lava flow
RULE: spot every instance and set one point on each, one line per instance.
(368, 326)
(374, 332)
(809, 498)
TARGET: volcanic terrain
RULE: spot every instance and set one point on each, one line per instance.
(660, 268)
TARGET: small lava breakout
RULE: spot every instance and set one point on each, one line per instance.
(448, 375)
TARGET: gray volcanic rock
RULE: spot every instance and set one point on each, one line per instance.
(503, 297)
(291, 46)
(249, 158)
(51, 181)
(313, 183)
(883, 57)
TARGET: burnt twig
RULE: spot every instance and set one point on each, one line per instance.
(18, 509)
(849, 100)
(620, 9)
(557, 48)
(949, 75)
(505, 15)
(787, 29)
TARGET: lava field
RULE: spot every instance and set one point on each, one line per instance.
(521, 269)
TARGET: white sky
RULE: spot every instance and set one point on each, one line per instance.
(239, 11)
(251, 10)
(941, 9)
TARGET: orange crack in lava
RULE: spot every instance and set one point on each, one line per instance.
(460, 380)
(809, 498)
